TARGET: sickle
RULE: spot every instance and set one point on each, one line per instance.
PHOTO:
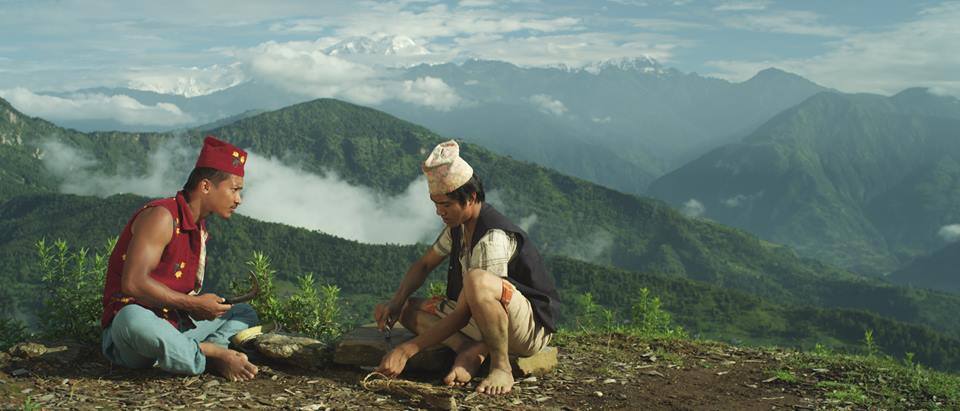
(248, 295)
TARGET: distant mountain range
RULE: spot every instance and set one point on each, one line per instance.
(619, 123)
(863, 181)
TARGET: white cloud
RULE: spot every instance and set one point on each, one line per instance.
(741, 199)
(526, 223)
(575, 50)
(950, 233)
(548, 104)
(185, 81)
(601, 120)
(304, 68)
(791, 22)
(288, 195)
(84, 106)
(429, 92)
(273, 191)
(693, 208)
(910, 54)
(743, 5)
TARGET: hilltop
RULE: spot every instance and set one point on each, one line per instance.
(595, 371)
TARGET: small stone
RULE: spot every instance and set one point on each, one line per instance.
(311, 407)
(26, 390)
(598, 393)
(542, 399)
(274, 377)
(529, 380)
(210, 384)
(19, 372)
(609, 381)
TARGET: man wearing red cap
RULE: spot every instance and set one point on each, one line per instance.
(153, 312)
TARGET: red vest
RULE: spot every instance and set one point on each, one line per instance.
(180, 267)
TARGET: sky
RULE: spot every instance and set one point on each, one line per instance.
(193, 48)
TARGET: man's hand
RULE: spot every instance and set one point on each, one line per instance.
(208, 306)
(392, 364)
(386, 314)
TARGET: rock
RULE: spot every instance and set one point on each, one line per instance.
(295, 350)
(19, 372)
(541, 363)
(28, 350)
(365, 346)
(609, 381)
(4, 359)
(598, 393)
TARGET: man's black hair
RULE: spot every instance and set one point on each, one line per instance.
(200, 173)
(462, 194)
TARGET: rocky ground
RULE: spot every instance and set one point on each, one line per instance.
(595, 371)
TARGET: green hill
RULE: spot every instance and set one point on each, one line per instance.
(861, 181)
(937, 271)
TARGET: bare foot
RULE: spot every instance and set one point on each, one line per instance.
(229, 364)
(466, 365)
(498, 382)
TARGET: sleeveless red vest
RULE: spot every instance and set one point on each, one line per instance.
(180, 267)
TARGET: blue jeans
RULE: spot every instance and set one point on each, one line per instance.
(137, 338)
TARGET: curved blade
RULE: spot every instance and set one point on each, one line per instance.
(249, 295)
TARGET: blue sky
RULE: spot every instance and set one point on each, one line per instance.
(191, 47)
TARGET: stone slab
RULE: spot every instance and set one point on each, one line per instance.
(538, 364)
(295, 350)
(365, 346)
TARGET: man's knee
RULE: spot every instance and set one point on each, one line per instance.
(134, 320)
(480, 285)
(245, 313)
(410, 312)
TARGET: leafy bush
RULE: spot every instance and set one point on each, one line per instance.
(590, 316)
(73, 288)
(311, 310)
(649, 319)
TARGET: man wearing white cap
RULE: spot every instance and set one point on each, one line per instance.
(499, 300)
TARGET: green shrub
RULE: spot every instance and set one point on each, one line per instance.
(72, 290)
(649, 319)
(590, 316)
(311, 310)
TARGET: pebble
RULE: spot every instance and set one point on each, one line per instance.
(609, 381)
(598, 393)
(19, 372)
(542, 399)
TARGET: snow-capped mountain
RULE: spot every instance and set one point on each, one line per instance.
(387, 46)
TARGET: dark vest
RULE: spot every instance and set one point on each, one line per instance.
(525, 269)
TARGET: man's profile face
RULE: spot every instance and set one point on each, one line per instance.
(224, 198)
(450, 211)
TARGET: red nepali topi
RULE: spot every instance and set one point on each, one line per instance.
(221, 155)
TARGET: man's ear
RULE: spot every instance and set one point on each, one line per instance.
(205, 186)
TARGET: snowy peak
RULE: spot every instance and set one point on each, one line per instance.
(387, 46)
(643, 64)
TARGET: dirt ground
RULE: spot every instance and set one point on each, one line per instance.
(595, 372)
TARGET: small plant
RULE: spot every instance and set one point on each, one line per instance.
(869, 343)
(786, 376)
(650, 319)
(313, 311)
(73, 288)
(436, 289)
(821, 350)
(591, 316)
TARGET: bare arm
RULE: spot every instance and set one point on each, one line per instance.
(417, 274)
(152, 231)
(387, 313)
